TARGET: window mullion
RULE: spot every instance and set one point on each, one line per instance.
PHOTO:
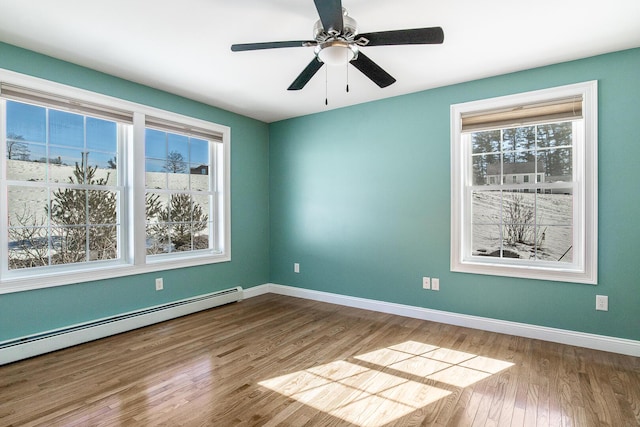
(136, 214)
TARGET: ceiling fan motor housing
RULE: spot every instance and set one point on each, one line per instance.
(336, 48)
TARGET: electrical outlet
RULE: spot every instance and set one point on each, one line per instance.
(296, 267)
(602, 303)
(426, 283)
(435, 284)
(159, 284)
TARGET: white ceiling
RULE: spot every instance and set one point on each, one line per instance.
(183, 47)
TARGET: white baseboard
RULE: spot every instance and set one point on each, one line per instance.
(563, 336)
(257, 290)
(29, 346)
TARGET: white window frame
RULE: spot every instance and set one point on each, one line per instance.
(585, 265)
(133, 260)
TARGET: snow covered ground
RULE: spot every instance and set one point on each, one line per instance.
(554, 233)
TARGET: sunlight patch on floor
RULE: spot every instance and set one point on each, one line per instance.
(381, 386)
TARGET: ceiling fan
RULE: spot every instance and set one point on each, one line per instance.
(336, 41)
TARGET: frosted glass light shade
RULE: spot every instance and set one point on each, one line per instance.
(336, 55)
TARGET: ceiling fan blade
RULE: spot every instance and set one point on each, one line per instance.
(272, 45)
(330, 12)
(372, 70)
(433, 35)
(306, 74)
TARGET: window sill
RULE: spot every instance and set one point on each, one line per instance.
(526, 272)
(40, 281)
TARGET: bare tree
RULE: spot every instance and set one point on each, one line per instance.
(175, 163)
(17, 148)
(519, 221)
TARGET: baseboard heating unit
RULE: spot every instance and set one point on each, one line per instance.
(33, 345)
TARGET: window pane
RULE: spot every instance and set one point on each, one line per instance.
(178, 147)
(19, 149)
(555, 225)
(555, 207)
(180, 208)
(155, 177)
(178, 180)
(201, 236)
(199, 178)
(101, 174)
(555, 135)
(485, 142)
(66, 129)
(519, 139)
(103, 243)
(27, 206)
(157, 208)
(158, 239)
(102, 207)
(69, 244)
(28, 247)
(486, 169)
(176, 162)
(68, 207)
(555, 243)
(155, 144)
(62, 162)
(557, 164)
(25, 170)
(516, 168)
(181, 235)
(27, 122)
(199, 152)
(485, 240)
(486, 207)
(201, 222)
(102, 135)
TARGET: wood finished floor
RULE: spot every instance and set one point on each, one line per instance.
(281, 361)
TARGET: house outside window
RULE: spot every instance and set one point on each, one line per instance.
(81, 206)
(547, 229)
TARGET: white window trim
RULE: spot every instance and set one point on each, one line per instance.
(134, 255)
(585, 270)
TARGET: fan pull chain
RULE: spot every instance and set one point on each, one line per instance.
(326, 85)
(347, 65)
(347, 76)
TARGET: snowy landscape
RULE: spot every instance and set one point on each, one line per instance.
(550, 239)
(27, 201)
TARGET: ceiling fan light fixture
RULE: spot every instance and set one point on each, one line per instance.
(337, 43)
(336, 53)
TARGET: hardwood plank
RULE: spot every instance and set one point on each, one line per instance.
(283, 361)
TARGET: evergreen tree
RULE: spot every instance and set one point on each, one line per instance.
(84, 220)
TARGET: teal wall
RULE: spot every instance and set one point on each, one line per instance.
(24, 313)
(360, 197)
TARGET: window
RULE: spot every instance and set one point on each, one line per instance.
(80, 206)
(180, 194)
(63, 188)
(544, 230)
